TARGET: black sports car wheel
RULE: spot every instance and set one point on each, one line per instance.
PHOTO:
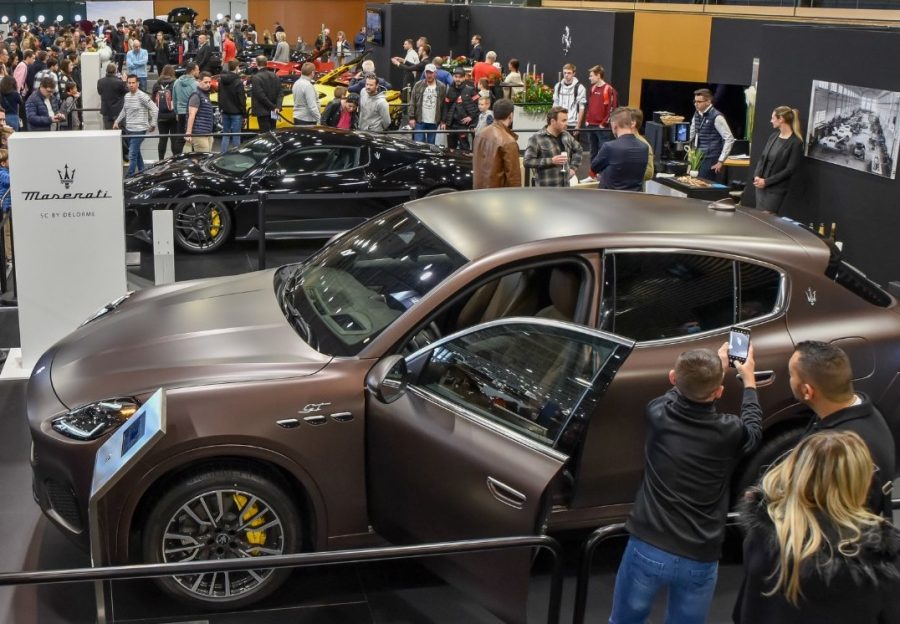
(202, 226)
(224, 513)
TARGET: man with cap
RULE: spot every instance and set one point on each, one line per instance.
(426, 105)
(460, 109)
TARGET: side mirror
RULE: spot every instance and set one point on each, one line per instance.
(387, 379)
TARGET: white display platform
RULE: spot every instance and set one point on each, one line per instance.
(68, 212)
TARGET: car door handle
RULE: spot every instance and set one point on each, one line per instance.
(506, 494)
(764, 378)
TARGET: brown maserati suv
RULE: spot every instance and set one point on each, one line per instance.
(469, 365)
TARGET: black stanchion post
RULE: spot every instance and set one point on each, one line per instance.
(261, 226)
(584, 569)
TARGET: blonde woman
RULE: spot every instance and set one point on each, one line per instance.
(282, 49)
(814, 553)
(780, 159)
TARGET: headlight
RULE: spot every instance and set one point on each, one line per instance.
(109, 307)
(92, 421)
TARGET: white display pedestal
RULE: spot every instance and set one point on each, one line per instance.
(529, 120)
(91, 72)
(67, 203)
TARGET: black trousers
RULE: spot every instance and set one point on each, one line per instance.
(178, 141)
(266, 123)
(458, 140)
(166, 126)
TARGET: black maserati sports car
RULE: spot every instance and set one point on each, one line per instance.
(330, 167)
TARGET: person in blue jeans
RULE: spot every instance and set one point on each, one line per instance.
(677, 524)
(232, 104)
(138, 116)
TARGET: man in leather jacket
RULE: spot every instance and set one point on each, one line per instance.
(495, 153)
(677, 524)
(460, 110)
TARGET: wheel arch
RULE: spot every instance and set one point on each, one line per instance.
(300, 486)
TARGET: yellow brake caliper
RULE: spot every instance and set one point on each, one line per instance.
(215, 224)
(253, 537)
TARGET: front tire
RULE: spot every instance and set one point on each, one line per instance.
(202, 226)
(222, 513)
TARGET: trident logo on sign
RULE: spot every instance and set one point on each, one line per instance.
(66, 178)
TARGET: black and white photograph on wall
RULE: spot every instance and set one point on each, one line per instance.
(854, 127)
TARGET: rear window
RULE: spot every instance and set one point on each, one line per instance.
(854, 280)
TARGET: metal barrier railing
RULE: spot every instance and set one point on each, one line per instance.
(338, 557)
(263, 199)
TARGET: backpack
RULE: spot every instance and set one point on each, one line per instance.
(163, 98)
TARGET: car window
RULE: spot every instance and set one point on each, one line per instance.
(657, 295)
(527, 377)
(245, 157)
(347, 293)
(549, 290)
(666, 295)
(317, 160)
(760, 290)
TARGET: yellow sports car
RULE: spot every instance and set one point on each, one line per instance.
(325, 86)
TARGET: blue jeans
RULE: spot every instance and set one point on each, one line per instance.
(596, 138)
(645, 570)
(231, 123)
(425, 137)
(135, 160)
(142, 82)
(12, 121)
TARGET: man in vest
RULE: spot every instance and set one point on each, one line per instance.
(200, 117)
(710, 133)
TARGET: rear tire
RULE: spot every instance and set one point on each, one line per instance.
(222, 513)
(750, 473)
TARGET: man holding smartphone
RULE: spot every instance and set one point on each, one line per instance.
(677, 524)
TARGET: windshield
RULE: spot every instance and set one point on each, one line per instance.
(245, 157)
(342, 297)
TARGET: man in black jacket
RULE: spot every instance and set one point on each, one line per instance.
(677, 524)
(460, 110)
(265, 95)
(821, 378)
(112, 90)
(232, 104)
(204, 54)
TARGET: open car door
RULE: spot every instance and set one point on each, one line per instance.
(466, 438)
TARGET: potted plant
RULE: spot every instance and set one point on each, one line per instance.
(694, 157)
(536, 97)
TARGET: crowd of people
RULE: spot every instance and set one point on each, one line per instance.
(819, 545)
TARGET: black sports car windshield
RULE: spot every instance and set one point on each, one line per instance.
(246, 157)
(342, 297)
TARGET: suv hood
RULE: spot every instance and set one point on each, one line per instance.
(194, 333)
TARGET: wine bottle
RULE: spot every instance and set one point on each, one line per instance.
(822, 229)
(833, 234)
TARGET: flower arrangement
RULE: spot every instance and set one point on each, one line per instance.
(456, 61)
(536, 97)
(694, 157)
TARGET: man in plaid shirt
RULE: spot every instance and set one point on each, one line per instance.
(553, 154)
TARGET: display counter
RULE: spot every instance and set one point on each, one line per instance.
(684, 186)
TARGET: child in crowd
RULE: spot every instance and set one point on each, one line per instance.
(484, 89)
(485, 116)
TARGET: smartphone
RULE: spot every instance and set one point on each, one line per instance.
(738, 345)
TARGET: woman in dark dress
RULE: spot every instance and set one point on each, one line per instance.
(813, 552)
(161, 49)
(779, 160)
